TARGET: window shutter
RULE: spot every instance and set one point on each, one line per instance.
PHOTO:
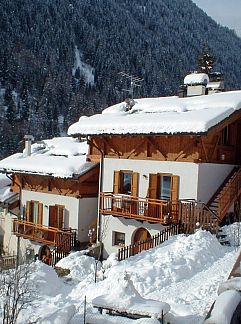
(116, 187)
(152, 186)
(134, 185)
(31, 211)
(40, 213)
(52, 216)
(27, 211)
(175, 187)
(60, 216)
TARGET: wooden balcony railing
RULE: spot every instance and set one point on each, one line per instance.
(45, 234)
(7, 262)
(194, 215)
(229, 194)
(152, 210)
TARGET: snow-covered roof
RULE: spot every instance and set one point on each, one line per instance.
(196, 78)
(62, 157)
(165, 115)
(215, 85)
(5, 191)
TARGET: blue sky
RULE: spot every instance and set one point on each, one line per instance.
(225, 12)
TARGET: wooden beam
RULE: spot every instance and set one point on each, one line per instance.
(229, 120)
(183, 152)
(156, 147)
(215, 146)
(204, 149)
(135, 148)
(89, 174)
(111, 146)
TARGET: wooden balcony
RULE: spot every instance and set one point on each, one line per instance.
(189, 213)
(145, 209)
(64, 238)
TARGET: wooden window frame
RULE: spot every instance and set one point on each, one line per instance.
(154, 185)
(29, 210)
(118, 182)
(118, 241)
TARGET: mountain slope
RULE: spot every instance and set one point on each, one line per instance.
(60, 59)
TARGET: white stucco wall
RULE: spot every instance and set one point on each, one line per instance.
(112, 224)
(188, 173)
(9, 240)
(210, 177)
(88, 215)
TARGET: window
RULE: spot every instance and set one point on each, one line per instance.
(163, 186)
(119, 238)
(126, 183)
(34, 212)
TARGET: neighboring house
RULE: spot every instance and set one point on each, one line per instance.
(9, 204)
(166, 160)
(58, 193)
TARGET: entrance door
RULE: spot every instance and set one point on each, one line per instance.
(141, 235)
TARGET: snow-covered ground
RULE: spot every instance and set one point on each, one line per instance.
(184, 272)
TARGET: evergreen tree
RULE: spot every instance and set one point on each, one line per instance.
(155, 40)
(11, 107)
(206, 61)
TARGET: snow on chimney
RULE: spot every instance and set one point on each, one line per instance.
(28, 142)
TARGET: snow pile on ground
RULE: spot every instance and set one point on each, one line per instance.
(184, 272)
(224, 307)
(178, 259)
(126, 298)
(233, 233)
(81, 267)
(231, 284)
(46, 280)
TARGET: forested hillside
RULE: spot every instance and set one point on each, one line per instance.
(60, 59)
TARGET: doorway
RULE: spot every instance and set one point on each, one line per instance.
(140, 240)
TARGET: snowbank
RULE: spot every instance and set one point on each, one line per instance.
(231, 284)
(183, 272)
(224, 307)
(81, 266)
(46, 280)
(125, 298)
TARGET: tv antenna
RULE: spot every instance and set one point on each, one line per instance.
(134, 82)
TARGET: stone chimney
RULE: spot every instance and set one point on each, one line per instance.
(28, 142)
